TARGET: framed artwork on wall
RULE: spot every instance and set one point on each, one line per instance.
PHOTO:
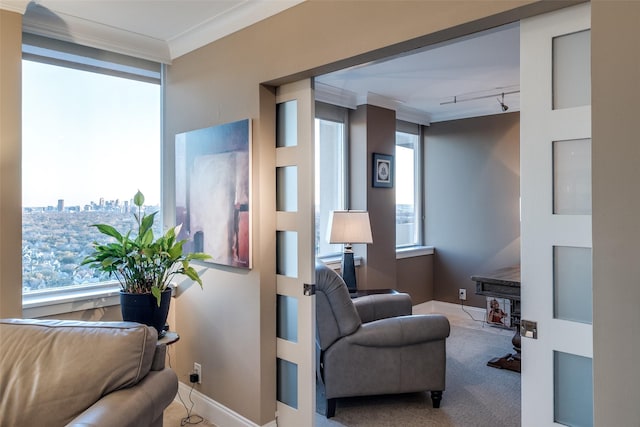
(382, 170)
(213, 175)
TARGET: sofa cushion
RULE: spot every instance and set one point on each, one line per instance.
(52, 370)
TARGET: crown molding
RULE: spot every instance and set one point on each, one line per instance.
(335, 96)
(69, 28)
(19, 6)
(217, 27)
(348, 99)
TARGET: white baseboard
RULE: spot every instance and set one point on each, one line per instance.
(213, 411)
(449, 309)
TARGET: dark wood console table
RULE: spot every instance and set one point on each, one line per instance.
(504, 283)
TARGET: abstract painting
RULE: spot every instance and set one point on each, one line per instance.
(213, 168)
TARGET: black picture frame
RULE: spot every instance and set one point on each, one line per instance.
(382, 170)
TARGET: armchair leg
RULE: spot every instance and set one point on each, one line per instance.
(331, 408)
(436, 397)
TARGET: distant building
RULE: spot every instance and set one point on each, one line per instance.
(60, 205)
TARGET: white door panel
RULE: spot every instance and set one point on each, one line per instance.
(295, 343)
(557, 386)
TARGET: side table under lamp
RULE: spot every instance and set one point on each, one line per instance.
(349, 227)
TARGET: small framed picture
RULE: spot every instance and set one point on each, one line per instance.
(382, 170)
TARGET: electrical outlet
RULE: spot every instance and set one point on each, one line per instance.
(197, 369)
(462, 294)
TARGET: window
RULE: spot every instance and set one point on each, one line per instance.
(408, 188)
(330, 181)
(90, 140)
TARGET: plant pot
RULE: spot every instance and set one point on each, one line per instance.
(143, 308)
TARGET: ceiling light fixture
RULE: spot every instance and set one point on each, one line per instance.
(502, 104)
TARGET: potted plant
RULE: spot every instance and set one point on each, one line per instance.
(143, 266)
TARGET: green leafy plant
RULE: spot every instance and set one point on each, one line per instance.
(141, 263)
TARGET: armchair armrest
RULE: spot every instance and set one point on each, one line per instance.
(401, 331)
(382, 306)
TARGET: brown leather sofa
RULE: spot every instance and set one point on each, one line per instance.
(73, 373)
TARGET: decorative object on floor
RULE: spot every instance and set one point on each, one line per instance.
(504, 283)
(363, 351)
(382, 170)
(213, 172)
(143, 266)
(349, 227)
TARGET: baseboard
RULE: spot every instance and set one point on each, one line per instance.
(449, 309)
(213, 411)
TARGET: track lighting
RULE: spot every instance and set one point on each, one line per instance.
(472, 97)
(502, 104)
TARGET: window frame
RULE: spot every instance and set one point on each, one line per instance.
(414, 129)
(337, 114)
(50, 51)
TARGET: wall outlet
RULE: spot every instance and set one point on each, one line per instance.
(462, 294)
(197, 369)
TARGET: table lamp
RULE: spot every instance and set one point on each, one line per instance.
(349, 227)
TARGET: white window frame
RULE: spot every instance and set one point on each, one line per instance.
(339, 115)
(415, 248)
(54, 301)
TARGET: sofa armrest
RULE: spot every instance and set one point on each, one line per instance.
(401, 331)
(381, 306)
(137, 406)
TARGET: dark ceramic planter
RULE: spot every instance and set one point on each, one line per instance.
(143, 308)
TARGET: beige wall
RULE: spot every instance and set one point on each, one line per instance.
(615, 70)
(10, 155)
(472, 170)
(229, 325)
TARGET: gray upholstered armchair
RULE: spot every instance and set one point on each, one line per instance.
(373, 345)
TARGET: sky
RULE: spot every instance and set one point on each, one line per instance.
(87, 136)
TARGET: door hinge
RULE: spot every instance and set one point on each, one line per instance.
(309, 289)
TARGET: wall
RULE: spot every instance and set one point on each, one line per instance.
(615, 67)
(228, 326)
(373, 130)
(415, 276)
(472, 170)
(10, 155)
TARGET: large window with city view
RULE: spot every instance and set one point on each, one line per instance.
(408, 189)
(90, 140)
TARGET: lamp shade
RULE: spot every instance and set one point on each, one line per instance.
(349, 227)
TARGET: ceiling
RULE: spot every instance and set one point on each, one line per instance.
(427, 85)
(461, 78)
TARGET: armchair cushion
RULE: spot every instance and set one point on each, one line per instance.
(401, 331)
(382, 306)
(334, 305)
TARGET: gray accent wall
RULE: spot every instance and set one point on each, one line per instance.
(472, 170)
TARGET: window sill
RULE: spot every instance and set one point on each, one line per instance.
(57, 301)
(335, 261)
(414, 251)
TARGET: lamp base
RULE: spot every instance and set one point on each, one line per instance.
(348, 269)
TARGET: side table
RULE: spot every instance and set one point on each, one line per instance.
(169, 338)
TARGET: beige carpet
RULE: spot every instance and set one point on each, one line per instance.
(476, 394)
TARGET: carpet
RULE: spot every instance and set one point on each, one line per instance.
(476, 395)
